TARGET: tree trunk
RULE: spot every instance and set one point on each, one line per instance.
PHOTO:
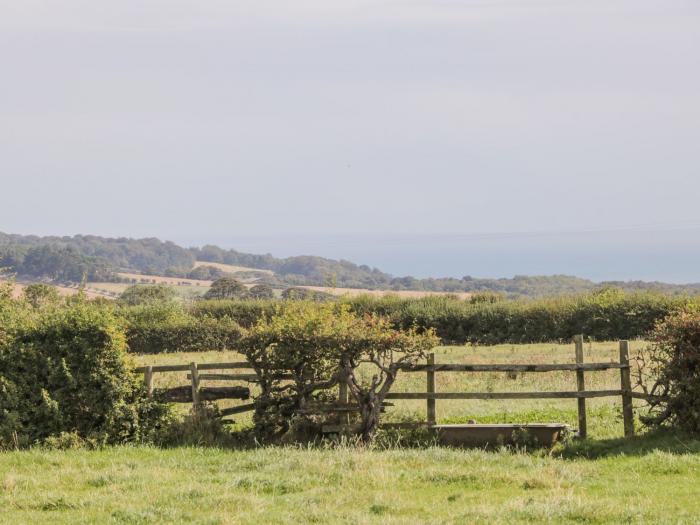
(370, 411)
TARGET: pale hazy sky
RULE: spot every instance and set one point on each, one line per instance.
(215, 120)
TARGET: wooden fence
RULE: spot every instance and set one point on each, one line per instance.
(431, 395)
(195, 393)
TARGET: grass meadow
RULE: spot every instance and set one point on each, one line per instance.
(652, 478)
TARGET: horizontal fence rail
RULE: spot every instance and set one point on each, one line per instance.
(504, 395)
(587, 367)
(186, 368)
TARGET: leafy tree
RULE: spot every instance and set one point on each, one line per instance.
(227, 288)
(206, 273)
(305, 294)
(145, 294)
(261, 291)
(320, 346)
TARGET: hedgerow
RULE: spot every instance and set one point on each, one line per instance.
(66, 370)
(669, 372)
(603, 316)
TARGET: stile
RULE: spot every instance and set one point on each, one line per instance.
(431, 390)
(581, 387)
(626, 387)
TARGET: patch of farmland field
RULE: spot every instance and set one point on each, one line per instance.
(230, 268)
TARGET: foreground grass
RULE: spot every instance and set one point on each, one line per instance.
(648, 480)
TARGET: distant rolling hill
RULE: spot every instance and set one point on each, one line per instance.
(102, 259)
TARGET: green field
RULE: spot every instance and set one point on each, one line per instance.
(658, 481)
(652, 478)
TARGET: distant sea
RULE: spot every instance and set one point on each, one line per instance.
(663, 255)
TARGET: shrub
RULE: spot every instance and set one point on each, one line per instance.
(669, 372)
(320, 346)
(39, 294)
(69, 373)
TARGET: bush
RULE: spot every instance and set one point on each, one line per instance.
(68, 372)
(669, 371)
(318, 347)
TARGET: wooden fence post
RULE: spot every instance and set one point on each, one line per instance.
(581, 387)
(148, 380)
(431, 390)
(195, 386)
(343, 399)
(626, 387)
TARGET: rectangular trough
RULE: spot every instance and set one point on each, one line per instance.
(480, 435)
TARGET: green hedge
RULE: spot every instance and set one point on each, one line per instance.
(183, 335)
(608, 315)
(67, 371)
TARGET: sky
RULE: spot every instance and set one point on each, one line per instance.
(445, 137)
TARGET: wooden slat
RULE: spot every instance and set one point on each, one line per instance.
(626, 386)
(581, 387)
(237, 410)
(335, 407)
(183, 394)
(227, 377)
(203, 366)
(194, 376)
(148, 380)
(430, 388)
(507, 367)
(237, 377)
(646, 397)
(504, 395)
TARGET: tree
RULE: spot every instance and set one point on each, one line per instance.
(305, 294)
(147, 294)
(206, 273)
(262, 291)
(386, 351)
(319, 346)
(227, 288)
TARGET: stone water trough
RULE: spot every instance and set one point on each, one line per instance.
(481, 435)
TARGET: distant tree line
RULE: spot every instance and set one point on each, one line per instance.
(68, 258)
